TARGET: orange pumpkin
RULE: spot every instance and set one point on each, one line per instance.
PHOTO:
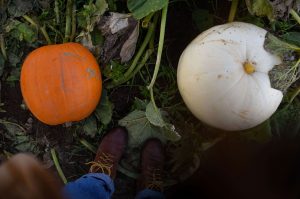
(61, 83)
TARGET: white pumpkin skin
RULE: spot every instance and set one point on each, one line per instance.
(214, 84)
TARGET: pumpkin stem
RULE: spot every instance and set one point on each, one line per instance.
(249, 68)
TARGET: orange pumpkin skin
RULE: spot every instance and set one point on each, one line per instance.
(61, 83)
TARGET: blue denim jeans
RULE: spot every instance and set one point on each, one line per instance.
(100, 186)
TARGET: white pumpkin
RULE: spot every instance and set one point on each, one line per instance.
(223, 77)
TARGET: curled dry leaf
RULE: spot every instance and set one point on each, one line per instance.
(276, 9)
(121, 33)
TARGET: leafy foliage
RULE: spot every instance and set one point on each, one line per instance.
(260, 8)
(142, 125)
(185, 144)
(285, 74)
(276, 9)
(21, 141)
(285, 122)
(142, 8)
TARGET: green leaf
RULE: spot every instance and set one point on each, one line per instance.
(154, 116)
(292, 37)
(260, 8)
(14, 75)
(115, 71)
(170, 133)
(21, 31)
(90, 14)
(101, 6)
(18, 135)
(279, 47)
(203, 19)
(104, 110)
(139, 104)
(260, 133)
(282, 76)
(139, 128)
(90, 126)
(141, 8)
(142, 125)
(285, 122)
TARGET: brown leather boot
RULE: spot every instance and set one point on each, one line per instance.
(152, 163)
(110, 152)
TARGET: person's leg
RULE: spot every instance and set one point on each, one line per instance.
(90, 186)
(150, 183)
(149, 194)
(98, 184)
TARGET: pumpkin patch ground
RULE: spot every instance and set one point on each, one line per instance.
(137, 46)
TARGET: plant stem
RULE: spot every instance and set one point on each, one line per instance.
(57, 166)
(146, 20)
(68, 20)
(56, 10)
(233, 8)
(43, 30)
(159, 52)
(141, 50)
(56, 31)
(137, 69)
(38, 27)
(129, 73)
(295, 94)
(88, 145)
(146, 56)
(2, 46)
(27, 18)
(73, 22)
(295, 15)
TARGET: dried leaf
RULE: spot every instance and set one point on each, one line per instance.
(128, 48)
(118, 30)
(275, 9)
(282, 76)
(282, 8)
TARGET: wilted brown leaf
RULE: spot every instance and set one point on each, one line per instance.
(121, 34)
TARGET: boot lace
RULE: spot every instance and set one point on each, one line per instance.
(104, 164)
(154, 181)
